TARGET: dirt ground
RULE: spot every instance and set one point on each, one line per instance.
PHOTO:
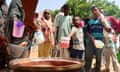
(34, 54)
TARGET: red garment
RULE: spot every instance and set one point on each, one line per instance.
(115, 25)
(119, 27)
(115, 38)
(113, 22)
(82, 23)
(29, 8)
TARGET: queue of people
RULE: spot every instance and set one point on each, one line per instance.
(19, 35)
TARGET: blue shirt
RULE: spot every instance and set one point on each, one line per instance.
(95, 28)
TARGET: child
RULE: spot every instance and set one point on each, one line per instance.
(109, 51)
(77, 37)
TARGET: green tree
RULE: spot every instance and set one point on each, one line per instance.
(53, 13)
(82, 7)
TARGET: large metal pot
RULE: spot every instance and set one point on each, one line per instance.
(46, 65)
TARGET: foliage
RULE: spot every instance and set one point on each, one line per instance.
(82, 8)
(53, 13)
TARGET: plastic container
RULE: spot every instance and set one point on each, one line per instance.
(18, 29)
(64, 42)
(99, 44)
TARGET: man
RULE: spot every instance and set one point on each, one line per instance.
(64, 28)
(94, 32)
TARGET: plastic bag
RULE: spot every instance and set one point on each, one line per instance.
(39, 37)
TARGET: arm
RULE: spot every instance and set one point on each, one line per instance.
(90, 36)
(88, 33)
(104, 23)
(71, 34)
(56, 35)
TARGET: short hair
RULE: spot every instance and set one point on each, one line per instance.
(95, 7)
(65, 6)
(75, 17)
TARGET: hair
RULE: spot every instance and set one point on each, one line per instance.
(61, 9)
(75, 16)
(95, 7)
(46, 10)
(2, 2)
(65, 6)
(74, 19)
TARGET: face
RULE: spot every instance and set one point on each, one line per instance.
(66, 10)
(96, 12)
(47, 15)
(76, 21)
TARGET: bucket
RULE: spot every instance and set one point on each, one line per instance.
(64, 42)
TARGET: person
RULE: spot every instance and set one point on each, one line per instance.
(56, 20)
(64, 29)
(17, 18)
(110, 48)
(86, 19)
(94, 32)
(109, 51)
(4, 57)
(77, 37)
(47, 27)
(57, 17)
(3, 15)
(15, 13)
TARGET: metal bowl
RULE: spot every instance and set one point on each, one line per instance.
(46, 65)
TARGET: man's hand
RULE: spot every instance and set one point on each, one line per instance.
(108, 29)
(23, 44)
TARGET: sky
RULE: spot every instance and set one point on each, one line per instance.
(55, 4)
(50, 4)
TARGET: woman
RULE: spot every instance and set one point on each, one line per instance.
(47, 27)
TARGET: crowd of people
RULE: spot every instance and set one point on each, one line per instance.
(88, 38)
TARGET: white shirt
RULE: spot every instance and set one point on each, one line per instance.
(78, 41)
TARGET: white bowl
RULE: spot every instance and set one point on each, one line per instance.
(99, 44)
